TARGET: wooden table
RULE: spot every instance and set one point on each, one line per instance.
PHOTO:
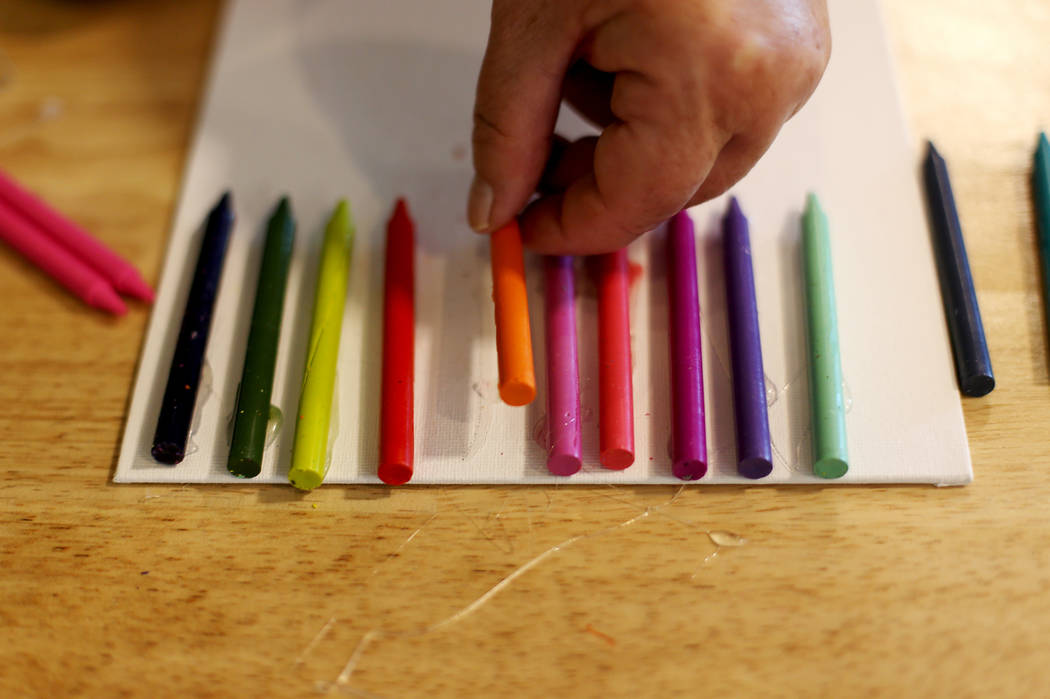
(152, 591)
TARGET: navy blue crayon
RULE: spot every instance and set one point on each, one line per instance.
(973, 366)
(180, 395)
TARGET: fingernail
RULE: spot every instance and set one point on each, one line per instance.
(479, 205)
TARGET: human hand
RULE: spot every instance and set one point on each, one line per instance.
(688, 93)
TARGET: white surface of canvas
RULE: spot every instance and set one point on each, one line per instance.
(371, 99)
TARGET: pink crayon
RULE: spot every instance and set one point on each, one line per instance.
(121, 275)
(56, 261)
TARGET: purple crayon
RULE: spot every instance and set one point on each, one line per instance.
(688, 430)
(564, 450)
(754, 458)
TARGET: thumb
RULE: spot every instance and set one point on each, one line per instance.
(519, 90)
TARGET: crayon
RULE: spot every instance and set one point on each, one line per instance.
(564, 446)
(688, 427)
(615, 384)
(180, 395)
(310, 451)
(1041, 189)
(517, 378)
(121, 275)
(60, 264)
(396, 429)
(252, 414)
(973, 366)
(825, 367)
(753, 448)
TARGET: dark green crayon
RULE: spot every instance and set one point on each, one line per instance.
(260, 357)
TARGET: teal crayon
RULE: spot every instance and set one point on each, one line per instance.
(260, 358)
(1041, 190)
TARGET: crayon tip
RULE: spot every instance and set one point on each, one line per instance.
(102, 296)
(564, 464)
(734, 210)
(689, 469)
(224, 207)
(617, 458)
(284, 208)
(978, 385)
(1044, 144)
(131, 284)
(813, 207)
(932, 154)
(754, 468)
(401, 212)
(305, 479)
(167, 453)
(830, 467)
(517, 392)
(341, 216)
(395, 473)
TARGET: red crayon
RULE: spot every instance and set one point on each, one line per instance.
(396, 433)
(56, 261)
(615, 388)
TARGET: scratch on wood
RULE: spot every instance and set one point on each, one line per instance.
(381, 634)
(316, 639)
(406, 542)
(604, 636)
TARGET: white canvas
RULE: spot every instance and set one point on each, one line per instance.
(371, 99)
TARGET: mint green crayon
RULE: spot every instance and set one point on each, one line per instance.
(825, 367)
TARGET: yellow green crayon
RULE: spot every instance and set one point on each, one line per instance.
(310, 452)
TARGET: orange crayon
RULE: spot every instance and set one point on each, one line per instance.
(517, 376)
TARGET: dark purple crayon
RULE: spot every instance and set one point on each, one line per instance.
(753, 453)
(688, 429)
(180, 395)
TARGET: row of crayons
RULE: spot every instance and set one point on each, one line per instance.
(310, 456)
(688, 434)
(688, 429)
(517, 385)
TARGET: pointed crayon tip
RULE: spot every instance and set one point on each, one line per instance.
(932, 153)
(103, 297)
(284, 210)
(341, 221)
(401, 215)
(224, 207)
(734, 208)
(813, 204)
(1044, 144)
(135, 286)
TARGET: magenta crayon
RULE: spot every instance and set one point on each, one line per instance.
(688, 430)
(56, 261)
(564, 447)
(78, 242)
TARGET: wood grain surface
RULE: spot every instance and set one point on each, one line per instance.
(557, 591)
